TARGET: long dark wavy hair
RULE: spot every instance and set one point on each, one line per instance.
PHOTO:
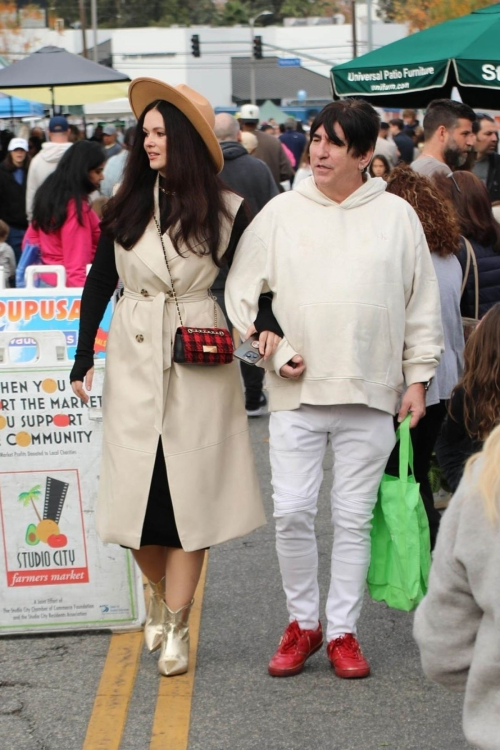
(196, 202)
(481, 379)
(70, 180)
(473, 207)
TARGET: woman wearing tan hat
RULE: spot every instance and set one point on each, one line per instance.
(164, 419)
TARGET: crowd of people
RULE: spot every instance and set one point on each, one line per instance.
(365, 256)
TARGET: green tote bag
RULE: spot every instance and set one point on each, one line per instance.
(400, 556)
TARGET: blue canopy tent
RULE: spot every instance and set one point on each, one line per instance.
(12, 106)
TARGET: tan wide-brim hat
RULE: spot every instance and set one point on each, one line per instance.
(198, 110)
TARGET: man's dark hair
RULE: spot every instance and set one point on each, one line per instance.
(397, 122)
(445, 112)
(266, 127)
(384, 126)
(480, 116)
(359, 121)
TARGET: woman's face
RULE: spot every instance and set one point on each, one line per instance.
(96, 176)
(378, 168)
(155, 140)
(18, 157)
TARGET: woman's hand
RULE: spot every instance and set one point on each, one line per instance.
(77, 386)
(268, 341)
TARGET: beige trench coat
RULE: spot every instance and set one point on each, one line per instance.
(197, 410)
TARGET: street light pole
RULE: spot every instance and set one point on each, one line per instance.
(251, 23)
(369, 25)
(93, 11)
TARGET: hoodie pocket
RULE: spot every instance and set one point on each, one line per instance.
(346, 340)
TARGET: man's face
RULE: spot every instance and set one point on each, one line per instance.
(394, 130)
(331, 163)
(108, 140)
(486, 139)
(458, 143)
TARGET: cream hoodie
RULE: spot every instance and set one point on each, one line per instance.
(354, 290)
(43, 164)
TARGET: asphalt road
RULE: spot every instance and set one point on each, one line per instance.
(48, 684)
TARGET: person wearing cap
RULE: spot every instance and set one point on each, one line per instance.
(177, 473)
(269, 149)
(114, 167)
(13, 176)
(45, 162)
(109, 140)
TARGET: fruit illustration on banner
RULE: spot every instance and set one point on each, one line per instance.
(47, 530)
(31, 536)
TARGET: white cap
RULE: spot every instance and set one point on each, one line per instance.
(18, 143)
(250, 112)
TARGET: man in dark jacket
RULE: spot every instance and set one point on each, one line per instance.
(252, 179)
(293, 140)
(402, 140)
(269, 149)
(487, 166)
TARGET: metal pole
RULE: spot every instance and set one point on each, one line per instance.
(93, 12)
(252, 62)
(81, 6)
(369, 25)
(354, 30)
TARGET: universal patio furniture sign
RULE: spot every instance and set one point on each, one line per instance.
(382, 80)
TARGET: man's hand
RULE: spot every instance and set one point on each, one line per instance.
(295, 370)
(414, 403)
(268, 341)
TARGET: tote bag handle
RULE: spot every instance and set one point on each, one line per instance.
(405, 448)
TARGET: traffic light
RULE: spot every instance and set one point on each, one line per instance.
(195, 45)
(257, 47)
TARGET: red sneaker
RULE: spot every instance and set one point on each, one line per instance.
(347, 658)
(296, 646)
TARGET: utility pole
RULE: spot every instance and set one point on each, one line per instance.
(369, 27)
(251, 23)
(354, 30)
(93, 11)
(83, 26)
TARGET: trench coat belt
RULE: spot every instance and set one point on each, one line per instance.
(162, 355)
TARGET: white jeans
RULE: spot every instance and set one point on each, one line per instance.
(362, 440)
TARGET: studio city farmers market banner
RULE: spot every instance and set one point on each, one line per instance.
(54, 572)
(382, 80)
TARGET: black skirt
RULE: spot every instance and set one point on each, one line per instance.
(159, 522)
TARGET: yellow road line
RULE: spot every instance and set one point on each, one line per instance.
(173, 704)
(109, 713)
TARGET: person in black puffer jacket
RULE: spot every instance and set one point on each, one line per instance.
(477, 223)
(13, 174)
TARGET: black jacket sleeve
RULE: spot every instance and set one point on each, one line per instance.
(454, 445)
(99, 287)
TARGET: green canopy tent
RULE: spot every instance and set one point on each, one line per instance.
(424, 66)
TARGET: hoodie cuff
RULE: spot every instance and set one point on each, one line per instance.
(418, 373)
(283, 354)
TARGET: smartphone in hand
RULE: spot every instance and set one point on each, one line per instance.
(248, 351)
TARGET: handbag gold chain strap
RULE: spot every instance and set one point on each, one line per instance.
(174, 295)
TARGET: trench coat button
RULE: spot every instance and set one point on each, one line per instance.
(139, 338)
(144, 292)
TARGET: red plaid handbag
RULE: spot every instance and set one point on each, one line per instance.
(199, 346)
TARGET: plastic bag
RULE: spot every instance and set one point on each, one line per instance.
(401, 552)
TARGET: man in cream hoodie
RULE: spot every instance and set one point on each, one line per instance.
(355, 293)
